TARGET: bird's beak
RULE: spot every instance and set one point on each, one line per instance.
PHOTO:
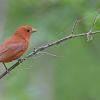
(34, 30)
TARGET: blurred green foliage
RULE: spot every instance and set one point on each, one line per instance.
(75, 73)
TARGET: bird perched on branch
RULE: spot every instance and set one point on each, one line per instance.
(14, 47)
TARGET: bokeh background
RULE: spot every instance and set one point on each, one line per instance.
(74, 74)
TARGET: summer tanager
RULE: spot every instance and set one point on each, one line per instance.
(15, 46)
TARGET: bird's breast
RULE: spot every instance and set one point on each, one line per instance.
(12, 50)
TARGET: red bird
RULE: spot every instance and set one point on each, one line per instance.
(15, 46)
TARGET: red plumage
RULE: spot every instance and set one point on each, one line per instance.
(15, 47)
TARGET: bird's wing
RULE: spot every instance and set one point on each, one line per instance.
(10, 50)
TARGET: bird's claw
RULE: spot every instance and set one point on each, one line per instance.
(7, 71)
(19, 60)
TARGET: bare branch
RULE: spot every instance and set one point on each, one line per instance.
(42, 48)
(50, 54)
(95, 20)
(89, 35)
(74, 26)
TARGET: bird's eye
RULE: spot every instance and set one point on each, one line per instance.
(28, 30)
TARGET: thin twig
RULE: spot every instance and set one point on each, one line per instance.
(50, 54)
(42, 48)
(89, 35)
(95, 20)
(74, 26)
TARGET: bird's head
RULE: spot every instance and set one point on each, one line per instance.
(25, 32)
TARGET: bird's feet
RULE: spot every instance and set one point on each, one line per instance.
(20, 60)
(7, 70)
